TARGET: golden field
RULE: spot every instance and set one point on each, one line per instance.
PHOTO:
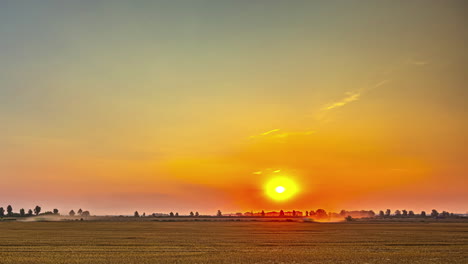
(232, 242)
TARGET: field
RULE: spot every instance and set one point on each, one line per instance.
(232, 242)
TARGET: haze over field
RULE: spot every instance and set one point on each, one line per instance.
(117, 106)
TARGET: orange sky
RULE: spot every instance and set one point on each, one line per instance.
(115, 107)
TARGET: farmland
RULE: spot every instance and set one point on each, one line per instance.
(232, 242)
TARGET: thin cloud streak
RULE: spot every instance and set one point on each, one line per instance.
(353, 96)
(273, 134)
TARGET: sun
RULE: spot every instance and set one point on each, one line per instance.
(281, 188)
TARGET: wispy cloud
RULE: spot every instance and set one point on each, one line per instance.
(350, 97)
(274, 133)
(417, 62)
(353, 96)
(271, 131)
(266, 171)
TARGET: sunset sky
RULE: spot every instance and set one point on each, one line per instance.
(159, 106)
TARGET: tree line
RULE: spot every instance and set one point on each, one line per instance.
(404, 213)
(37, 211)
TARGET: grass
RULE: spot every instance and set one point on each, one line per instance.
(232, 242)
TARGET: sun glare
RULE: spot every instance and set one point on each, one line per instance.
(281, 188)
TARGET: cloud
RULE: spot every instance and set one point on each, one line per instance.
(417, 62)
(271, 131)
(353, 96)
(273, 134)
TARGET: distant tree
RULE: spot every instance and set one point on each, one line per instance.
(293, 213)
(177, 214)
(397, 213)
(281, 213)
(197, 214)
(381, 213)
(9, 210)
(411, 213)
(56, 211)
(349, 218)
(445, 214)
(388, 212)
(37, 210)
(171, 214)
(85, 213)
(71, 213)
(371, 213)
(30, 212)
(191, 214)
(423, 213)
(219, 213)
(321, 214)
(404, 213)
(80, 212)
(434, 213)
(262, 213)
(343, 213)
(22, 212)
(307, 213)
(144, 214)
(136, 214)
(2, 211)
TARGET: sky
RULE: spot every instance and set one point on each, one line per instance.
(159, 106)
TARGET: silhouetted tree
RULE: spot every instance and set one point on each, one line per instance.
(136, 214)
(405, 213)
(411, 213)
(381, 213)
(321, 214)
(281, 213)
(22, 212)
(349, 218)
(71, 213)
(85, 213)
(219, 213)
(144, 214)
(263, 213)
(307, 213)
(294, 213)
(343, 213)
(9, 210)
(423, 213)
(197, 214)
(191, 214)
(171, 214)
(177, 214)
(434, 213)
(30, 212)
(37, 210)
(80, 211)
(56, 211)
(397, 213)
(2, 211)
(371, 213)
(388, 212)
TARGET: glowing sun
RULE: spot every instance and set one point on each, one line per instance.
(281, 188)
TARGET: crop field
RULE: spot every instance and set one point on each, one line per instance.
(232, 242)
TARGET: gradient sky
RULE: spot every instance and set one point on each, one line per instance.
(116, 106)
